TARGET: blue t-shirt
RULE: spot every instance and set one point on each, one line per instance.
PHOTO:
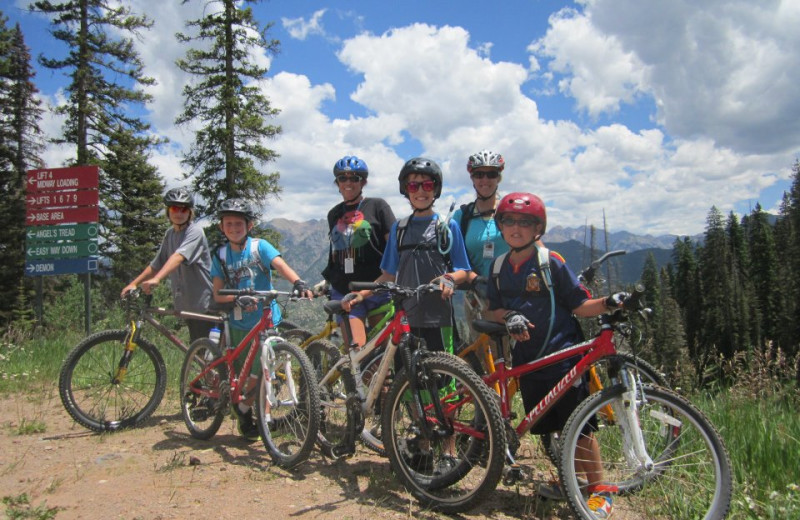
(458, 254)
(481, 230)
(244, 272)
(522, 289)
(418, 261)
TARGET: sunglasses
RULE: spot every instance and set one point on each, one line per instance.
(523, 223)
(348, 178)
(178, 209)
(490, 175)
(413, 186)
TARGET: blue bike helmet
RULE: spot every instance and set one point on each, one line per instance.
(351, 164)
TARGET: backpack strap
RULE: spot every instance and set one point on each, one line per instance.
(254, 254)
(400, 232)
(497, 264)
(466, 216)
(544, 266)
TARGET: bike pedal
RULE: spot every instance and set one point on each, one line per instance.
(512, 474)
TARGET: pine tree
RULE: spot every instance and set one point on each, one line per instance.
(226, 102)
(652, 285)
(743, 325)
(788, 328)
(764, 272)
(20, 148)
(107, 78)
(687, 290)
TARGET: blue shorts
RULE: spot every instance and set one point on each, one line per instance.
(360, 311)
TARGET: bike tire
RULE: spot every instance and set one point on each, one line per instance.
(90, 395)
(333, 439)
(691, 475)
(371, 434)
(285, 325)
(648, 374)
(204, 401)
(291, 429)
(438, 482)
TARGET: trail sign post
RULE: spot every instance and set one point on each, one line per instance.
(62, 210)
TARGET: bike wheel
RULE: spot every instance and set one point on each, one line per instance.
(204, 401)
(333, 437)
(449, 473)
(285, 325)
(297, 337)
(690, 476)
(371, 434)
(101, 397)
(288, 405)
(646, 372)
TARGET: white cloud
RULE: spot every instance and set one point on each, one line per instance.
(300, 29)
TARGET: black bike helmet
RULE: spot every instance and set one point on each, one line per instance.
(423, 166)
(238, 207)
(179, 197)
(351, 164)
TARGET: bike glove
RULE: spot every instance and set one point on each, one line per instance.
(299, 289)
(516, 323)
(246, 302)
(617, 300)
(321, 288)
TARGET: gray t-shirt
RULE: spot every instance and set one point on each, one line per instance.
(191, 281)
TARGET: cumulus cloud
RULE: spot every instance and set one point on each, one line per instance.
(300, 28)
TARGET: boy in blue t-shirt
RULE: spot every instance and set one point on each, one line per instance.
(520, 298)
(245, 263)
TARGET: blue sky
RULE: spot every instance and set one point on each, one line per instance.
(650, 111)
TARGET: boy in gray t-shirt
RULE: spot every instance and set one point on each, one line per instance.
(183, 257)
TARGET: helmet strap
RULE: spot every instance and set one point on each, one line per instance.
(354, 199)
(423, 210)
(493, 194)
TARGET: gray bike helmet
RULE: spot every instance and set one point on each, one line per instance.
(351, 164)
(486, 159)
(238, 207)
(425, 167)
(179, 197)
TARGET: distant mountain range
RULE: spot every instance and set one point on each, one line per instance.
(305, 248)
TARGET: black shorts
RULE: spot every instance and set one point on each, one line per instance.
(535, 385)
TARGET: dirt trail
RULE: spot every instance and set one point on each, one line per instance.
(159, 472)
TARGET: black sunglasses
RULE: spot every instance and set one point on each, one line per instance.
(348, 178)
(491, 175)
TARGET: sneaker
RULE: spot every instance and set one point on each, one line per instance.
(246, 425)
(600, 504)
(551, 490)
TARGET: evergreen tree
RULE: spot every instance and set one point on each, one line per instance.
(764, 272)
(20, 148)
(652, 285)
(743, 325)
(106, 84)
(787, 296)
(227, 104)
(687, 291)
(671, 353)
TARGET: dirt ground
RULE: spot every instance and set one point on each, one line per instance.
(158, 471)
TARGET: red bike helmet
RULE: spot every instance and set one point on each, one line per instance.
(524, 204)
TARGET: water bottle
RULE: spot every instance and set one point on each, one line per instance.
(213, 335)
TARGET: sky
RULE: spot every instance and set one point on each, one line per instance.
(646, 112)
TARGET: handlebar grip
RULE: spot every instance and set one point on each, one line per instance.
(636, 299)
(363, 286)
(234, 292)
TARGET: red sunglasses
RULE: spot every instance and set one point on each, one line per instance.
(413, 186)
(178, 209)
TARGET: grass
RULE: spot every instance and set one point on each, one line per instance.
(19, 507)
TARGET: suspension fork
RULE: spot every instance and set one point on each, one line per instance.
(419, 381)
(134, 331)
(626, 412)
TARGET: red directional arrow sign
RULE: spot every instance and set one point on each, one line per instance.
(40, 217)
(52, 179)
(56, 199)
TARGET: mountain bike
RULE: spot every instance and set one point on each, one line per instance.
(287, 402)
(661, 457)
(433, 402)
(116, 379)
(481, 357)
(370, 435)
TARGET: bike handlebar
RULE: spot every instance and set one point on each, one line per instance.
(267, 295)
(588, 274)
(393, 288)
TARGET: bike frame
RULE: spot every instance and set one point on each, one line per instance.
(393, 334)
(590, 351)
